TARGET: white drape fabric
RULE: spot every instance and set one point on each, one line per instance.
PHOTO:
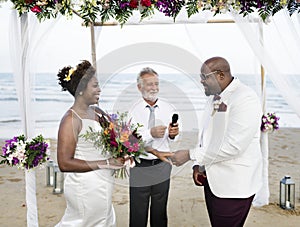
(26, 34)
(278, 51)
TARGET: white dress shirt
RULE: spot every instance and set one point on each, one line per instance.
(163, 116)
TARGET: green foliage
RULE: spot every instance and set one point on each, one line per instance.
(192, 7)
(122, 10)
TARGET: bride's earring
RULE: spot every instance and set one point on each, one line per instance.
(81, 93)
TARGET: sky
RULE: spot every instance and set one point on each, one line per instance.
(66, 42)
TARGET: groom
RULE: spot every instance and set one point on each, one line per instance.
(229, 157)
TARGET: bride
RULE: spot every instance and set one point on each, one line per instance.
(89, 172)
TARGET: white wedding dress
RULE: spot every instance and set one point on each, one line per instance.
(88, 195)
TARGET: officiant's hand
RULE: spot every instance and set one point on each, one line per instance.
(198, 176)
(164, 156)
(180, 157)
(173, 130)
(158, 131)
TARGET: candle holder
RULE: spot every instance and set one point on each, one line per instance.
(49, 173)
(58, 186)
(287, 193)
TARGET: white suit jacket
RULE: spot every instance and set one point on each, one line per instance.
(230, 150)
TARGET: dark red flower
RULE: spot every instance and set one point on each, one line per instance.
(29, 1)
(36, 9)
(133, 4)
(222, 107)
(113, 141)
(146, 3)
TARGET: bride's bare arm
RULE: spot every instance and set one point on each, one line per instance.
(67, 139)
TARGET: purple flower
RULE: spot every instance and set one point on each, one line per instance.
(114, 117)
(124, 5)
(269, 122)
(170, 7)
(15, 161)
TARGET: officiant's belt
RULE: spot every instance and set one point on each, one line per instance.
(149, 162)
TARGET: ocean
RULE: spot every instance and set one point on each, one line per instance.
(118, 93)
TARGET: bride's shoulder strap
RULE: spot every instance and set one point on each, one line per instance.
(73, 111)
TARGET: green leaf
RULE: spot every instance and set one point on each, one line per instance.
(192, 7)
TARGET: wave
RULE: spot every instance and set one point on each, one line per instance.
(52, 100)
(8, 99)
(10, 121)
(4, 121)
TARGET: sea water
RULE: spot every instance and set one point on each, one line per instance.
(118, 93)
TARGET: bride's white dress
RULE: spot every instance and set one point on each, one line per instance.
(88, 195)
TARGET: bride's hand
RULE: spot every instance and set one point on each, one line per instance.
(116, 163)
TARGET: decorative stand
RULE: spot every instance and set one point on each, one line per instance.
(58, 186)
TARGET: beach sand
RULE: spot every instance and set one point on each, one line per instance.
(186, 201)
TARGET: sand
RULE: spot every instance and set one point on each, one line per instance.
(186, 201)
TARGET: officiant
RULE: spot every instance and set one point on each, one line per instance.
(150, 178)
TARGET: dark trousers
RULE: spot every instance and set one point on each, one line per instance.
(142, 195)
(226, 212)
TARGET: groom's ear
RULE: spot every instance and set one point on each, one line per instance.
(222, 76)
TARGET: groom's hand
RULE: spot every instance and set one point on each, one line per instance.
(180, 157)
(198, 177)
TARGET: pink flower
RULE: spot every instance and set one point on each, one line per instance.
(127, 144)
(36, 9)
(136, 147)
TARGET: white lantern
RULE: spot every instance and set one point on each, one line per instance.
(58, 186)
(49, 173)
(287, 193)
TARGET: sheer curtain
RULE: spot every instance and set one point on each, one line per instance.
(278, 51)
(26, 34)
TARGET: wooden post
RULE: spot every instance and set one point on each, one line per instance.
(262, 70)
(93, 46)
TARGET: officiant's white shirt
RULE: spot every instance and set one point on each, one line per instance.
(163, 116)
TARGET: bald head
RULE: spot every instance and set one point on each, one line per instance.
(217, 64)
(221, 75)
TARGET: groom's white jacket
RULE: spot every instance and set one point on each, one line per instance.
(230, 144)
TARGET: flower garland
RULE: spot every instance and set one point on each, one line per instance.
(122, 10)
(269, 122)
(25, 154)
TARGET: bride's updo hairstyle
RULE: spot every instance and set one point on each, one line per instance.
(75, 80)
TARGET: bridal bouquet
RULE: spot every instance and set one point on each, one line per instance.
(23, 153)
(269, 122)
(118, 137)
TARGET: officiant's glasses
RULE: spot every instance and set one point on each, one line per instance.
(206, 76)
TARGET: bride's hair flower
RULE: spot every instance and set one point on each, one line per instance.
(70, 73)
(269, 122)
